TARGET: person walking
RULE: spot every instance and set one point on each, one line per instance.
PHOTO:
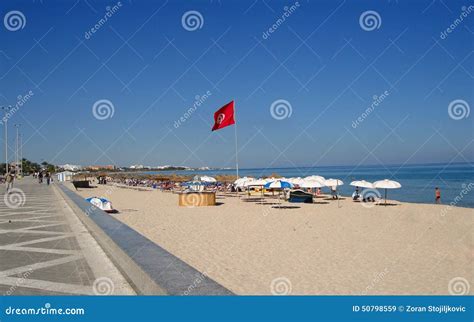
(40, 177)
(48, 178)
(9, 178)
(437, 195)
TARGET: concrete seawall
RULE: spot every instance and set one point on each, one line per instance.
(148, 267)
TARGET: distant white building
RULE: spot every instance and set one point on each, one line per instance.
(71, 167)
(65, 176)
(137, 166)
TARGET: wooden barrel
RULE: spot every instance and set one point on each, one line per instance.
(197, 199)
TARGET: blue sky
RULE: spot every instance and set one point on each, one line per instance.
(319, 59)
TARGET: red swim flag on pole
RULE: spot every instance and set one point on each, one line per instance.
(224, 116)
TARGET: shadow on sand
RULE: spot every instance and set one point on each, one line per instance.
(285, 207)
(388, 204)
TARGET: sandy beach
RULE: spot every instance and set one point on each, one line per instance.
(333, 247)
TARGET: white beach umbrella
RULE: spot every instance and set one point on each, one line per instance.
(275, 179)
(333, 182)
(362, 184)
(297, 181)
(207, 179)
(312, 184)
(387, 184)
(257, 182)
(239, 182)
(318, 178)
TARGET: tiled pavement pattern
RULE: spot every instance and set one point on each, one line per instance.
(45, 249)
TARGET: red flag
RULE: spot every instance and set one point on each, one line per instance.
(224, 116)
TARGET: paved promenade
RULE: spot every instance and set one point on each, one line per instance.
(45, 249)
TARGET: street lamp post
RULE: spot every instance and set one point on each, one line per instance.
(21, 156)
(17, 148)
(5, 124)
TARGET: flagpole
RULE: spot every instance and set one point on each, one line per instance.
(236, 144)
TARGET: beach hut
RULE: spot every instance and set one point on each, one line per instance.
(65, 176)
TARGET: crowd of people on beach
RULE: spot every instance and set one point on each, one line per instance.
(164, 185)
(167, 184)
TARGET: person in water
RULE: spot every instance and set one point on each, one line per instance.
(437, 195)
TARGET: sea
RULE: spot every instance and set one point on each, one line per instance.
(455, 180)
